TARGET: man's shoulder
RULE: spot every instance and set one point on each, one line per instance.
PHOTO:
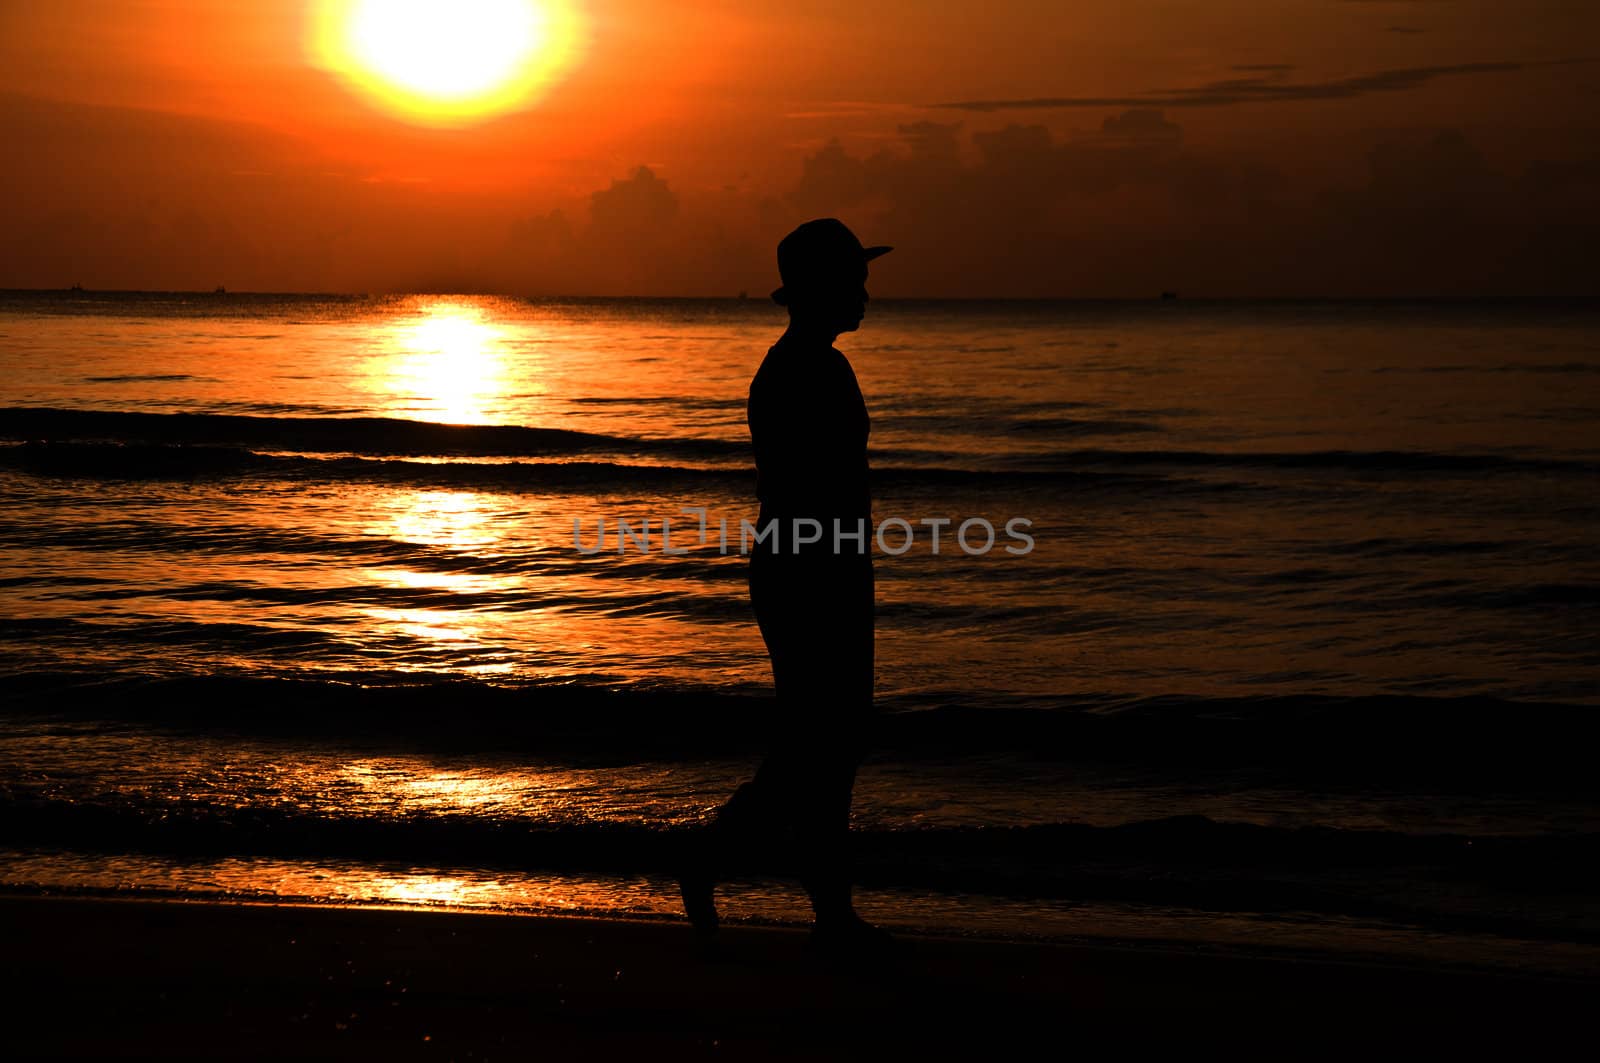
(783, 368)
(792, 376)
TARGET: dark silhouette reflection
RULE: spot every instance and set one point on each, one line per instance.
(812, 589)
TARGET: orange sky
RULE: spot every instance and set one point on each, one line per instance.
(1015, 147)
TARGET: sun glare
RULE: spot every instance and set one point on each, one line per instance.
(445, 62)
(446, 361)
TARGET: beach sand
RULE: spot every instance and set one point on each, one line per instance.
(96, 978)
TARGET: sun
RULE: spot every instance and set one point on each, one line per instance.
(444, 62)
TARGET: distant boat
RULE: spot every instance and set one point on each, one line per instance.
(1169, 295)
(219, 290)
(743, 294)
(76, 288)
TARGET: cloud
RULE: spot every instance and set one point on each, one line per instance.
(933, 141)
(1141, 123)
(842, 176)
(1264, 90)
(637, 206)
(628, 242)
(1132, 209)
(1022, 211)
(1133, 205)
(642, 236)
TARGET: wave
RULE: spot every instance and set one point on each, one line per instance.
(354, 435)
(146, 447)
(1358, 461)
(130, 378)
(160, 461)
(1510, 367)
(1188, 862)
(188, 443)
(144, 461)
(1070, 426)
(1477, 742)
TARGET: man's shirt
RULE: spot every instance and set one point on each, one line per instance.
(809, 425)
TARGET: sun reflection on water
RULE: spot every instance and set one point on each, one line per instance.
(488, 590)
(433, 625)
(455, 521)
(447, 362)
(412, 788)
(458, 520)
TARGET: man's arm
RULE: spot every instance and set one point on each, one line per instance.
(806, 445)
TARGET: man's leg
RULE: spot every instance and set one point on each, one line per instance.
(762, 811)
(823, 835)
(841, 699)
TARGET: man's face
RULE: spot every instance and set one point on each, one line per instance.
(837, 304)
(851, 302)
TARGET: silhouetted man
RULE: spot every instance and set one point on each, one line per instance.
(811, 587)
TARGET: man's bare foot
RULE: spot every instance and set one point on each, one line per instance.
(697, 885)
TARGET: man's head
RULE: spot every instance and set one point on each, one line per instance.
(824, 271)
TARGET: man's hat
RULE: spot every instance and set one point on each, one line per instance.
(816, 253)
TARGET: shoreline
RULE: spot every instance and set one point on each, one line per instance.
(995, 922)
(98, 977)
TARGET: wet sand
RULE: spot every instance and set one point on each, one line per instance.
(98, 978)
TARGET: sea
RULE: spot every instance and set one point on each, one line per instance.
(1213, 625)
